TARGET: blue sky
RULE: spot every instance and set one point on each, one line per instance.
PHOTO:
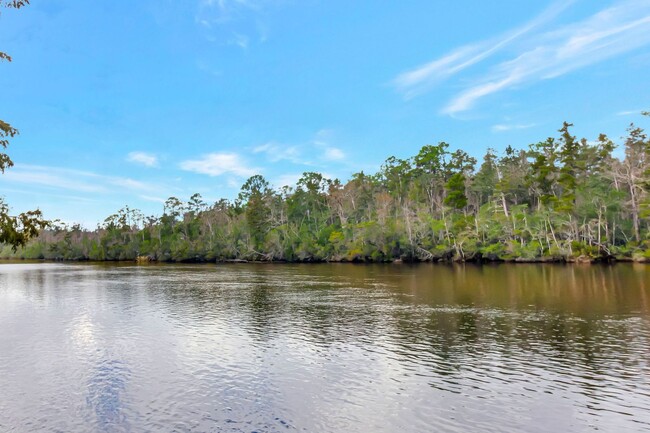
(127, 103)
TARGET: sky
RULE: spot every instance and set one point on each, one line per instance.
(128, 103)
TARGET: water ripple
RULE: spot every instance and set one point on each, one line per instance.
(326, 348)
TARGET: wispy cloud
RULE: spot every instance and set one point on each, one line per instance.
(329, 152)
(143, 158)
(317, 150)
(54, 178)
(333, 153)
(610, 32)
(61, 192)
(628, 112)
(537, 55)
(220, 11)
(417, 81)
(240, 40)
(232, 22)
(57, 178)
(276, 152)
(216, 164)
(510, 127)
(54, 195)
(152, 198)
(134, 185)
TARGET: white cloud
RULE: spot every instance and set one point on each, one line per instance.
(240, 40)
(317, 147)
(134, 185)
(466, 99)
(608, 33)
(52, 194)
(53, 178)
(222, 20)
(216, 164)
(417, 81)
(333, 154)
(629, 112)
(152, 198)
(537, 55)
(275, 152)
(143, 158)
(510, 127)
(74, 180)
(61, 192)
(329, 152)
(215, 12)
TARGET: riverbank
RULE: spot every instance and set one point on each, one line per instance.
(143, 260)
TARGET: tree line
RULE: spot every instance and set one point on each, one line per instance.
(561, 199)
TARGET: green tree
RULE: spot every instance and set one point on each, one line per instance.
(543, 175)
(570, 155)
(396, 175)
(430, 173)
(459, 170)
(456, 197)
(254, 196)
(563, 198)
(486, 178)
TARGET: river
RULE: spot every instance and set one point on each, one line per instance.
(324, 348)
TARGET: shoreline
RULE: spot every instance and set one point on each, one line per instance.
(483, 261)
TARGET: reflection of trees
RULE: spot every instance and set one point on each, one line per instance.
(446, 321)
(558, 321)
(556, 305)
(265, 311)
(237, 294)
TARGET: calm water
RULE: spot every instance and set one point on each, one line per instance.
(324, 348)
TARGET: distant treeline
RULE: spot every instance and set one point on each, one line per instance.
(561, 199)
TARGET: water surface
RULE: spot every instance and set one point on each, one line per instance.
(324, 348)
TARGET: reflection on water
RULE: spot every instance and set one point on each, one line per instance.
(107, 382)
(324, 348)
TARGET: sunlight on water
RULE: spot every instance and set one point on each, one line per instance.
(324, 348)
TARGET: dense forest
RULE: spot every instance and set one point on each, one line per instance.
(561, 199)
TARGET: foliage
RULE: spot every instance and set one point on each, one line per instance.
(561, 199)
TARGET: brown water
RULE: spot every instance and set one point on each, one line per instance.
(324, 348)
